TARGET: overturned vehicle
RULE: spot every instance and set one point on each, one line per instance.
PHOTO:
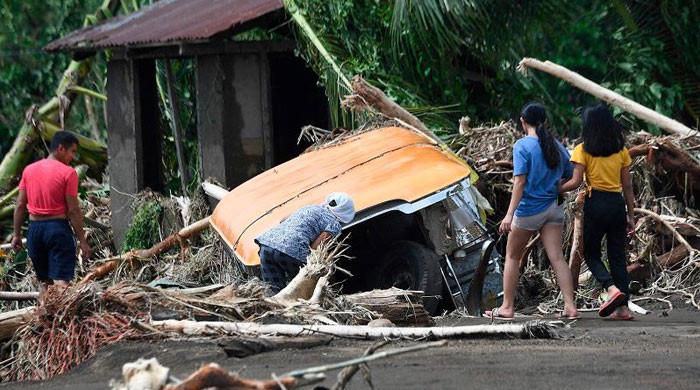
(419, 222)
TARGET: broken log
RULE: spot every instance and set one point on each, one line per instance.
(213, 376)
(214, 191)
(658, 218)
(366, 95)
(530, 329)
(576, 255)
(19, 296)
(613, 98)
(110, 264)
(402, 307)
(10, 321)
(312, 278)
(9, 197)
(639, 150)
(672, 257)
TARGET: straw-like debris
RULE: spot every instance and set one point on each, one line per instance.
(666, 178)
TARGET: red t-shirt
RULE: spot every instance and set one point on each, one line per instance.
(47, 183)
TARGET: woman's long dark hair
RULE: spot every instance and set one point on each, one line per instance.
(602, 134)
(535, 115)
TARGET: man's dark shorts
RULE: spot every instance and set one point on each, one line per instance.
(51, 247)
(277, 268)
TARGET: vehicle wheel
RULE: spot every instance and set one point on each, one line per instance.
(410, 266)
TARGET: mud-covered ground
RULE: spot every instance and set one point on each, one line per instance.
(655, 351)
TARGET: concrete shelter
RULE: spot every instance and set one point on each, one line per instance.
(252, 97)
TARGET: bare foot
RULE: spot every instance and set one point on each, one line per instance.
(569, 313)
(622, 313)
(612, 290)
(500, 312)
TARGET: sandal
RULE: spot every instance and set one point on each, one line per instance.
(611, 304)
(494, 314)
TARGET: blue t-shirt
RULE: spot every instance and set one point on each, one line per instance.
(541, 188)
(295, 234)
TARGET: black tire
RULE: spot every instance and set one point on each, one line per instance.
(410, 266)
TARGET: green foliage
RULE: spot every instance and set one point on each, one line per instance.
(444, 59)
(144, 230)
(184, 75)
(29, 75)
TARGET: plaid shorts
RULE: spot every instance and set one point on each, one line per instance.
(277, 268)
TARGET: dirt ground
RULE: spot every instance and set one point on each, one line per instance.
(654, 351)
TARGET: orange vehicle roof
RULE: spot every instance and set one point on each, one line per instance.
(374, 167)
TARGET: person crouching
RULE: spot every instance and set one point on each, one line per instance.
(284, 248)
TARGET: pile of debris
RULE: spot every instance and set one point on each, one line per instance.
(187, 283)
(666, 176)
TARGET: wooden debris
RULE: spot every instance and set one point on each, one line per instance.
(19, 296)
(658, 218)
(403, 308)
(144, 374)
(368, 96)
(673, 257)
(213, 190)
(12, 320)
(531, 329)
(609, 96)
(312, 278)
(212, 375)
(576, 255)
(110, 264)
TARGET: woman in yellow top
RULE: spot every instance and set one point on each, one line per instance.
(609, 207)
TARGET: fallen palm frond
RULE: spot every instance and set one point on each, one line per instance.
(70, 327)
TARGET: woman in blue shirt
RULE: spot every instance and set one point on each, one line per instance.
(539, 164)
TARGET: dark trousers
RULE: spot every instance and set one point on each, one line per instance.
(604, 214)
(51, 247)
(277, 268)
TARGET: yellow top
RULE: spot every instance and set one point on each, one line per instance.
(602, 173)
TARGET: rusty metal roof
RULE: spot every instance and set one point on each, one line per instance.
(167, 21)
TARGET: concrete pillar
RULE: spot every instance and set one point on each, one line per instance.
(133, 137)
(233, 116)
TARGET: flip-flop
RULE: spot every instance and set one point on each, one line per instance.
(494, 315)
(609, 306)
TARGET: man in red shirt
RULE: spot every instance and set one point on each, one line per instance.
(49, 190)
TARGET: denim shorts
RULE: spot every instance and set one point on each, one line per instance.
(51, 247)
(554, 214)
